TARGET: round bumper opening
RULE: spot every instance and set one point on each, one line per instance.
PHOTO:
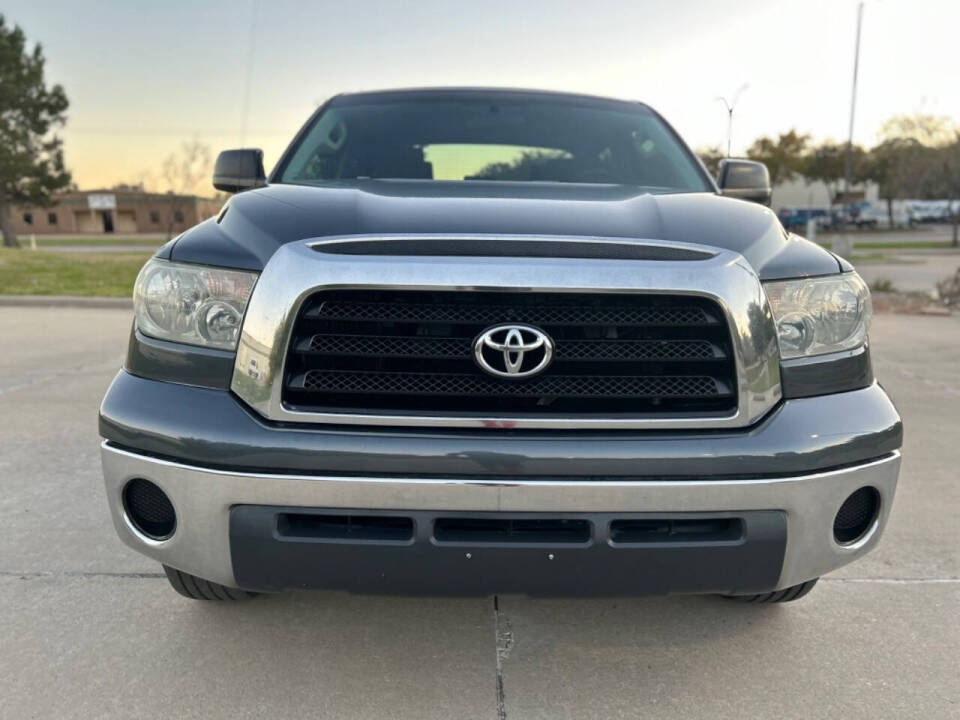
(149, 509)
(856, 516)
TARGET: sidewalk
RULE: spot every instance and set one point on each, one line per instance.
(117, 303)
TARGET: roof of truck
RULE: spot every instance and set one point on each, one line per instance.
(474, 92)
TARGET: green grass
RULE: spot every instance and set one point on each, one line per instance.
(926, 245)
(883, 285)
(878, 231)
(88, 273)
(883, 258)
(94, 240)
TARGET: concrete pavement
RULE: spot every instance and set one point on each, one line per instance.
(91, 629)
(910, 272)
(922, 234)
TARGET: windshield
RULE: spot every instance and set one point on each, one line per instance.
(493, 139)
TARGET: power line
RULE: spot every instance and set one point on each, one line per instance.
(140, 130)
(246, 90)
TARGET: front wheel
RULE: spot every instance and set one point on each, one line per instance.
(195, 588)
(778, 596)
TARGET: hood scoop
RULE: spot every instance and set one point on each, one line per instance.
(510, 246)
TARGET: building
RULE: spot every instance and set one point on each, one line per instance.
(123, 211)
(801, 193)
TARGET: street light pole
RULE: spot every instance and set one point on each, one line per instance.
(730, 106)
(848, 163)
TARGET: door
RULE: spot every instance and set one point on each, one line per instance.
(125, 222)
(86, 222)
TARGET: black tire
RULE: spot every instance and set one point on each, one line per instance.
(778, 596)
(196, 588)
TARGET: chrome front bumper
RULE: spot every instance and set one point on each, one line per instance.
(203, 499)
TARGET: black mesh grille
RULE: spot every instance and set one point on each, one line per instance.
(649, 350)
(412, 351)
(579, 386)
(856, 515)
(367, 346)
(149, 508)
(490, 313)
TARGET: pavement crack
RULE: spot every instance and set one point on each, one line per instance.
(503, 632)
(897, 581)
(46, 378)
(44, 574)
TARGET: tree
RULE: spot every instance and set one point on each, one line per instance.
(896, 165)
(530, 165)
(783, 157)
(825, 163)
(928, 130)
(711, 157)
(31, 158)
(183, 172)
(946, 179)
(924, 157)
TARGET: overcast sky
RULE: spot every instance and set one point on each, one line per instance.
(143, 77)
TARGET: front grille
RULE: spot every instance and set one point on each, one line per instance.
(411, 352)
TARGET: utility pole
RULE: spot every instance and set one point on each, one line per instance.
(848, 164)
(731, 106)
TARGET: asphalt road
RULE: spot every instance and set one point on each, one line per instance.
(89, 629)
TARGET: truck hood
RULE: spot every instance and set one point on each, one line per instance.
(255, 223)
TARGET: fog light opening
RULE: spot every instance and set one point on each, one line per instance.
(856, 516)
(149, 509)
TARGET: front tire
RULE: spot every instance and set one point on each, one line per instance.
(190, 586)
(778, 596)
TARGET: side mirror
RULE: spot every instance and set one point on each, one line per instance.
(239, 170)
(745, 180)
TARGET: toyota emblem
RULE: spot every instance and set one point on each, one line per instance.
(513, 351)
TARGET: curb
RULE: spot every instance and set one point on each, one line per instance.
(71, 301)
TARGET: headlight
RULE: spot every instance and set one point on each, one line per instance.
(191, 304)
(820, 315)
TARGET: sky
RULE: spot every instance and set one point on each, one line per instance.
(145, 77)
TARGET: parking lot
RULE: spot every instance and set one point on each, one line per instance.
(91, 629)
(910, 272)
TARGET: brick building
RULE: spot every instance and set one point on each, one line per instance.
(125, 211)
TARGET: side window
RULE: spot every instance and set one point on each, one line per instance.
(51, 218)
(28, 218)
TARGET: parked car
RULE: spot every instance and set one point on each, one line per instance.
(796, 219)
(932, 211)
(471, 341)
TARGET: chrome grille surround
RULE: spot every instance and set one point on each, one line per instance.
(299, 269)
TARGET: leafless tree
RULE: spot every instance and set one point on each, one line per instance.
(934, 163)
(711, 156)
(183, 172)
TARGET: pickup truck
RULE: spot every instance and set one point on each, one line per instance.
(479, 341)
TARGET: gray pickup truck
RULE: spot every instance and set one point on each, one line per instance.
(473, 341)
